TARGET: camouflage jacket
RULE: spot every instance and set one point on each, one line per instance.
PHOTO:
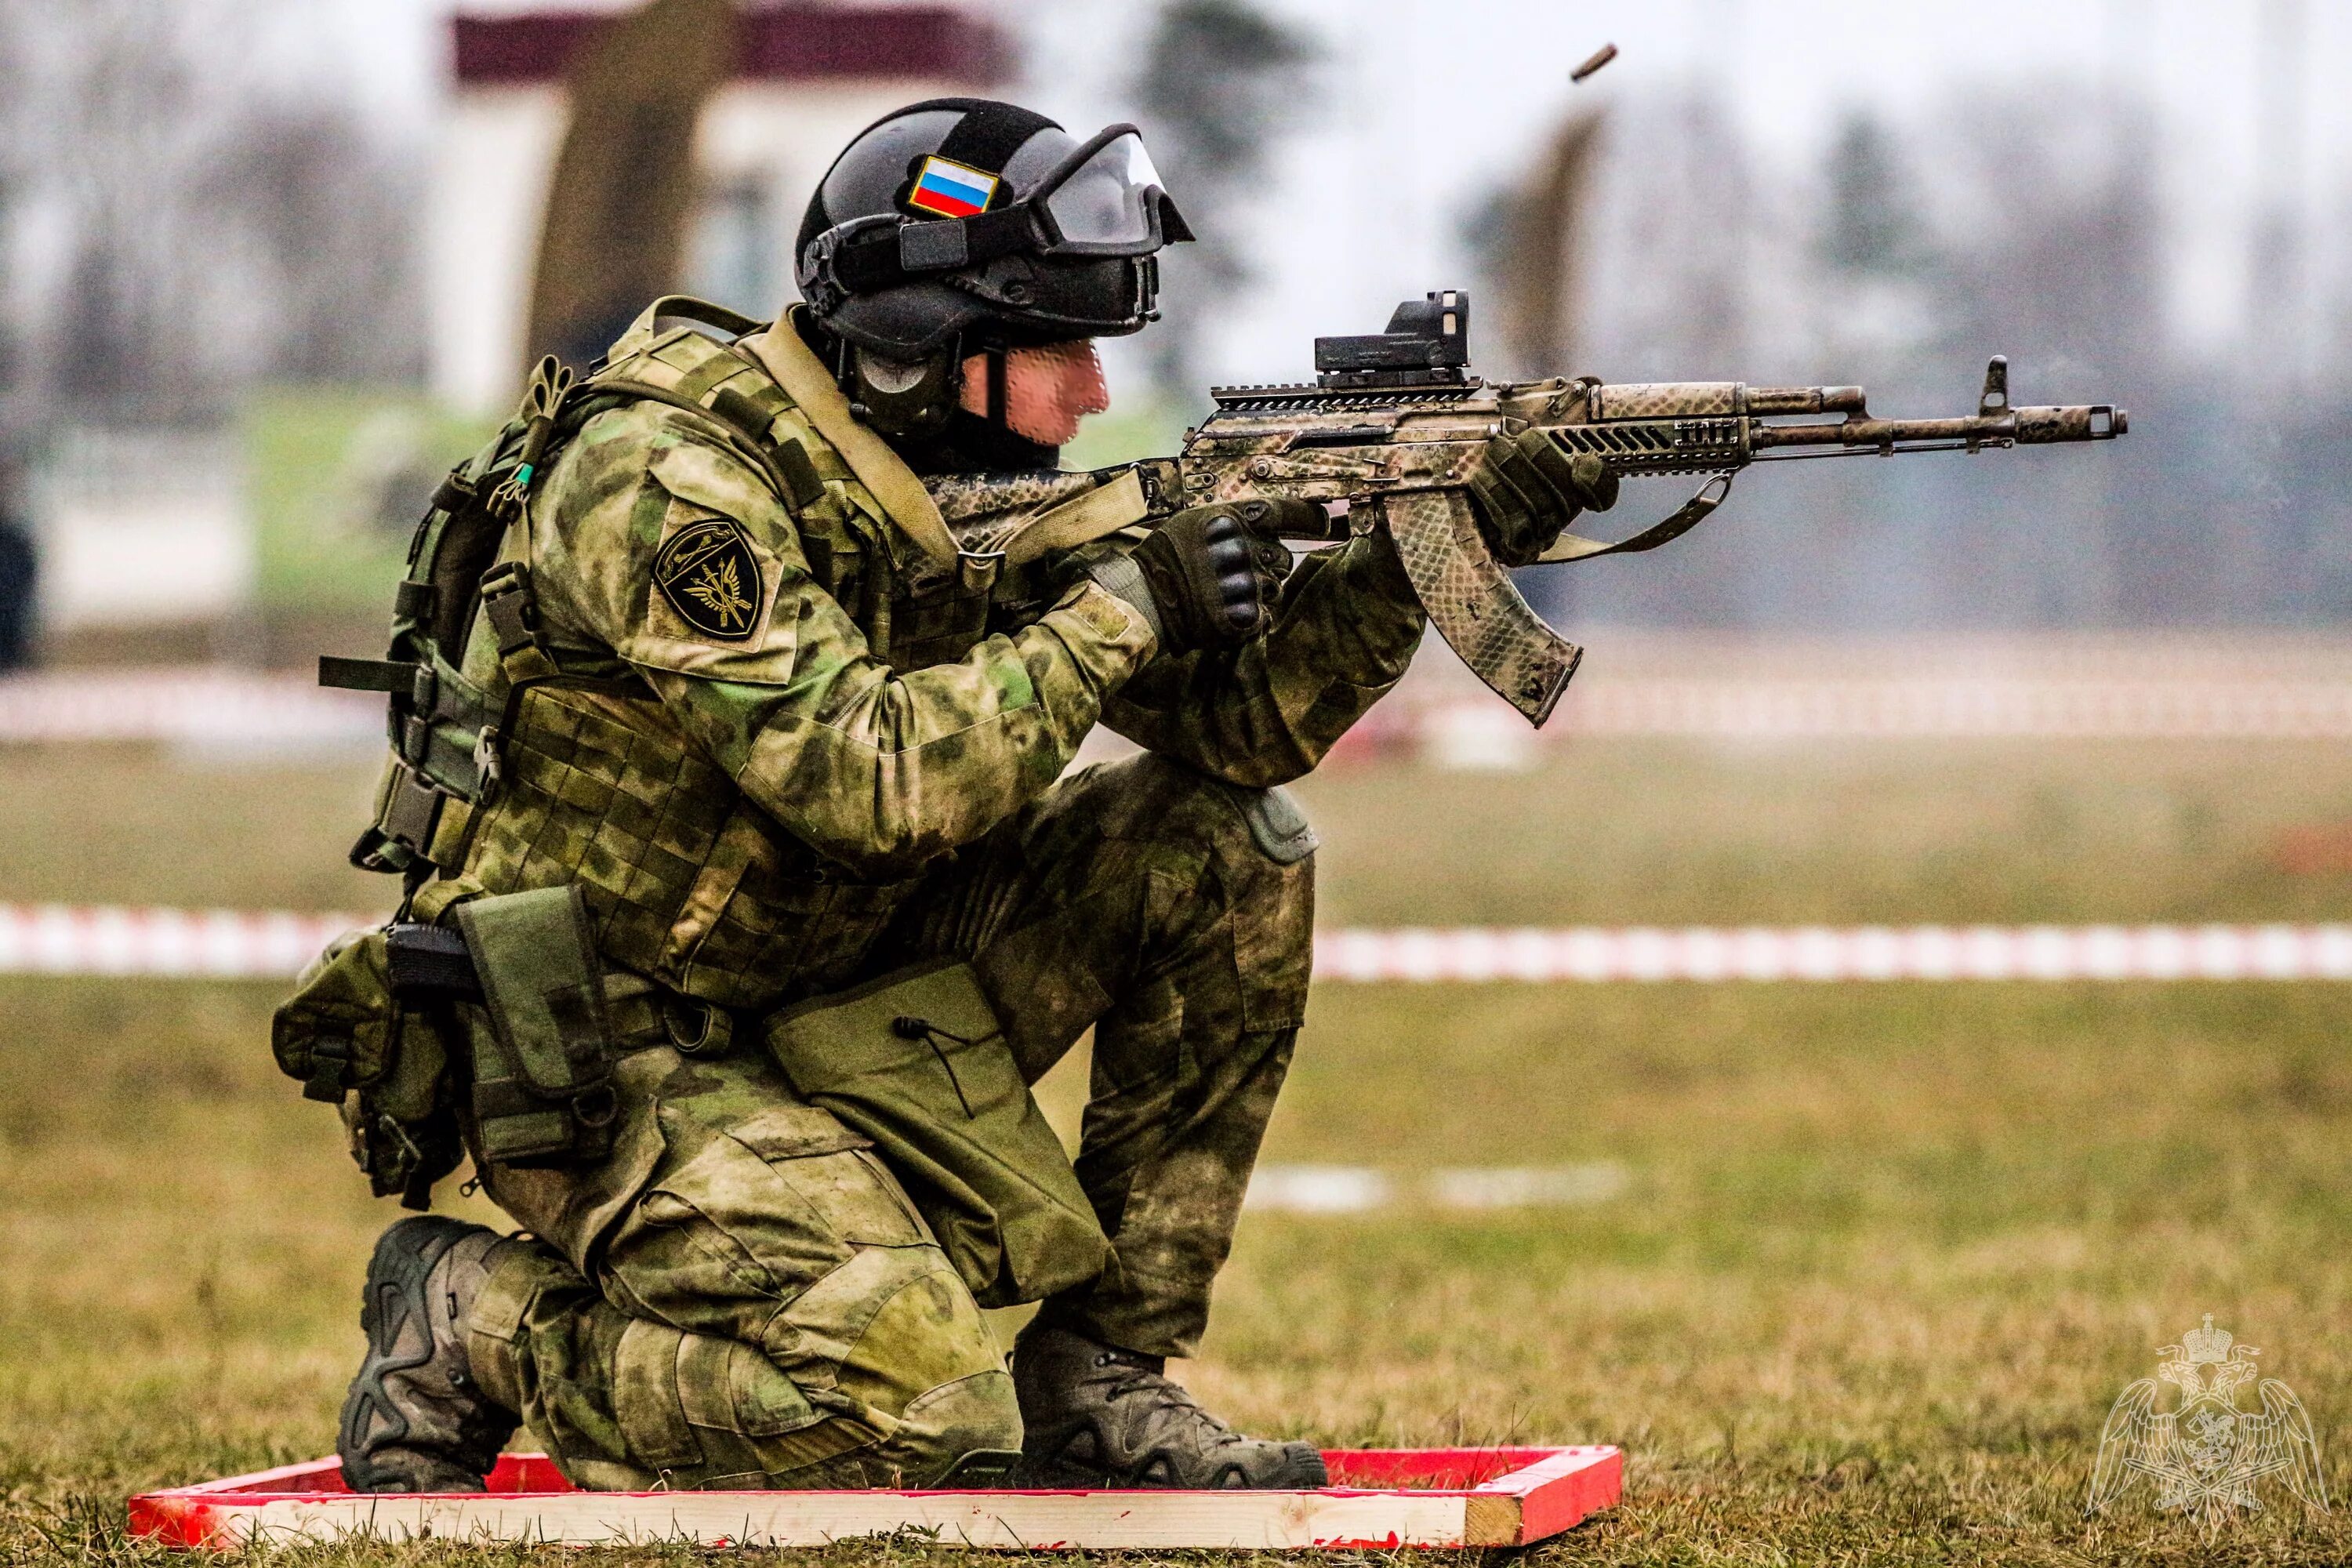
(802, 709)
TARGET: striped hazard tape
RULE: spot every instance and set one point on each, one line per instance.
(68, 939)
(196, 707)
(220, 945)
(1825, 953)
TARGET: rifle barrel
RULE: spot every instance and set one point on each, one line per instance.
(1804, 400)
(2018, 427)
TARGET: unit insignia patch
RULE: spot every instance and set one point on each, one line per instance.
(708, 572)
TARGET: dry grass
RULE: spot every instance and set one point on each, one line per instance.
(1888, 1254)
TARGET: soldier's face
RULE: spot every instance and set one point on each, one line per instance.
(1046, 391)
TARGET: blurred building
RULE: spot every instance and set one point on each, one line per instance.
(145, 531)
(791, 84)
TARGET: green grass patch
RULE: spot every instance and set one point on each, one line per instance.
(338, 480)
(1885, 1258)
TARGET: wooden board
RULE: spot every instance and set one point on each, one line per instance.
(1382, 1497)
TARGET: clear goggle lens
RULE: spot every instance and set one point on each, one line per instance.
(1108, 199)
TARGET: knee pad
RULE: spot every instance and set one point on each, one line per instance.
(964, 1425)
(1277, 826)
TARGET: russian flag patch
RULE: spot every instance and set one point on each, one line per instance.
(951, 190)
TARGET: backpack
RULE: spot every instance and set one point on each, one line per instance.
(442, 726)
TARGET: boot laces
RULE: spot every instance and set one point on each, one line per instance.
(1127, 1378)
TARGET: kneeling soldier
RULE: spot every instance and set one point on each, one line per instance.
(731, 740)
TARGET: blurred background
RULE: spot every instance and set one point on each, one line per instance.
(267, 266)
(2053, 738)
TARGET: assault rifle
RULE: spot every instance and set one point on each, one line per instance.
(1394, 421)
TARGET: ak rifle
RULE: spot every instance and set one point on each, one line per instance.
(1394, 422)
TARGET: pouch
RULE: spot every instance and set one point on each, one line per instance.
(916, 1061)
(542, 1076)
(338, 1031)
(351, 1043)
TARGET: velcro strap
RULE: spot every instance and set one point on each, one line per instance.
(509, 1097)
(366, 674)
(413, 601)
(453, 491)
(800, 474)
(868, 263)
(430, 959)
(884, 258)
(329, 1057)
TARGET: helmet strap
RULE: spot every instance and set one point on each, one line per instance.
(996, 393)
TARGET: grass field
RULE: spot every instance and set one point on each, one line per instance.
(1887, 1255)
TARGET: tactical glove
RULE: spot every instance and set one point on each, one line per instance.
(1202, 579)
(1527, 491)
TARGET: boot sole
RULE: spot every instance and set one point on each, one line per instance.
(1300, 1469)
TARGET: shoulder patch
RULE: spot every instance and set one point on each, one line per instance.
(708, 572)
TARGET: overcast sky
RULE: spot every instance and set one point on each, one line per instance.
(1431, 101)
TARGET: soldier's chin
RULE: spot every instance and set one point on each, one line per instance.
(1055, 429)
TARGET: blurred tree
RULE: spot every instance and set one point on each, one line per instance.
(620, 193)
(219, 219)
(1872, 224)
(328, 218)
(1529, 239)
(1220, 81)
(19, 572)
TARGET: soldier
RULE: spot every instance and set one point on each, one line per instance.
(790, 757)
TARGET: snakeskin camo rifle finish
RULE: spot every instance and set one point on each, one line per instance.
(1398, 455)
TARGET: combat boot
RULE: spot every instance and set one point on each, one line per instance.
(416, 1420)
(1095, 1416)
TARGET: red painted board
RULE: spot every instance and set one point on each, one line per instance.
(1508, 1496)
(1562, 1490)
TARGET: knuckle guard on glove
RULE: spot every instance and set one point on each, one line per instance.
(1207, 584)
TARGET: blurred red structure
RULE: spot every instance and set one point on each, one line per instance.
(780, 43)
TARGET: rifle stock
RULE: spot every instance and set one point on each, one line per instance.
(1390, 430)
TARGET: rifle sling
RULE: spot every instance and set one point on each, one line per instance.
(884, 473)
(1694, 511)
(1081, 519)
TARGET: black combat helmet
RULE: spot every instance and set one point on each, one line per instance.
(963, 217)
(960, 227)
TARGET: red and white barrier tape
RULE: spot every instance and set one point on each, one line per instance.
(1954, 707)
(221, 944)
(1823, 952)
(198, 707)
(66, 939)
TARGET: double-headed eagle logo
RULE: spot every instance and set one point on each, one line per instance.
(2206, 1456)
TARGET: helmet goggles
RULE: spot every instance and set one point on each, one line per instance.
(1104, 199)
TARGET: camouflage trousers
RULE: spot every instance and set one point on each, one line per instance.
(742, 1295)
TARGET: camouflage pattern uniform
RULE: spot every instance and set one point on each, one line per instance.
(740, 1294)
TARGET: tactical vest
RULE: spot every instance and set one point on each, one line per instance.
(524, 756)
